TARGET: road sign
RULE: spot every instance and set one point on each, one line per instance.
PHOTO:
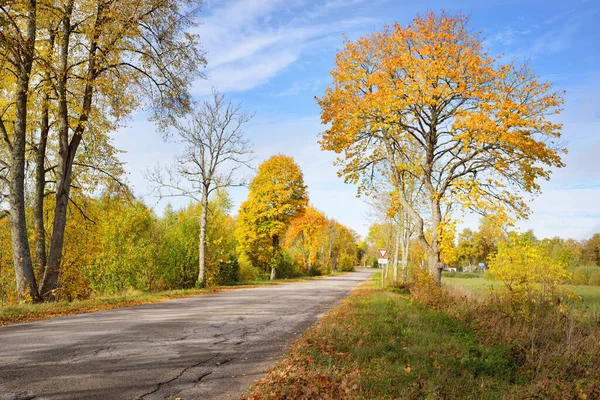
(382, 252)
(382, 261)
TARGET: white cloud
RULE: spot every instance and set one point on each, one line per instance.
(246, 75)
(246, 46)
(556, 40)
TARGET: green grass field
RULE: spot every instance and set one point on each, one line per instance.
(590, 295)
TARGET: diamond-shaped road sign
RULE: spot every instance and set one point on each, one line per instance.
(382, 252)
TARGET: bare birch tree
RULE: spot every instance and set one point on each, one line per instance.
(215, 149)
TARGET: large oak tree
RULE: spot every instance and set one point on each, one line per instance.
(427, 100)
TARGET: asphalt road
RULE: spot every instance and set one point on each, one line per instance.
(207, 347)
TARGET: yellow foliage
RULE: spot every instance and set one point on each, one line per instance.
(425, 102)
(446, 237)
(527, 271)
(305, 236)
(277, 195)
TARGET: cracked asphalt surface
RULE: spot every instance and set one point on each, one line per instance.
(207, 347)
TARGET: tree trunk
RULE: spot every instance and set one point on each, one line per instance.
(40, 186)
(51, 274)
(405, 251)
(202, 245)
(25, 278)
(435, 266)
(275, 256)
(397, 251)
(67, 149)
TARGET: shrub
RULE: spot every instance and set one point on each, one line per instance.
(248, 272)
(425, 291)
(531, 277)
(346, 262)
(581, 276)
(594, 278)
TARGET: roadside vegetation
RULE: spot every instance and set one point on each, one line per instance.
(418, 340)
(423, 120)
(379, 344)
(118, 245)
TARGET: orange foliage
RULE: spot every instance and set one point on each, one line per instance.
(306, 234)
(425, 102)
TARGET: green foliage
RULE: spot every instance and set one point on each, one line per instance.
(179, 255)
(127, 248)
(464, 275)
(475, 247)
(591, 250)
(7, 271)
(586, 276)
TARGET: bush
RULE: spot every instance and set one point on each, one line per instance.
(586, 276)
(287, 267)
(531, 277)
(346, 263)
(425, 291)
(248, 272)
(594, 278)
(228, 271)
(581, 276)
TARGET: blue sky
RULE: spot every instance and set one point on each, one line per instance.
(275, 56)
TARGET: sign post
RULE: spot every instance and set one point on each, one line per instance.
(382, 262)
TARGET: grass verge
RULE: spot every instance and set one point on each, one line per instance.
(32, 312)
(378, 344)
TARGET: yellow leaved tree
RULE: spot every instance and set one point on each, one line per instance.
(277, 195)
(426, 103)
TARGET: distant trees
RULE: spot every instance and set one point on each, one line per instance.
(215, 149)
(591, 250)
(277, 195)
(425, 103)
(475, 247)
(279, 233)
